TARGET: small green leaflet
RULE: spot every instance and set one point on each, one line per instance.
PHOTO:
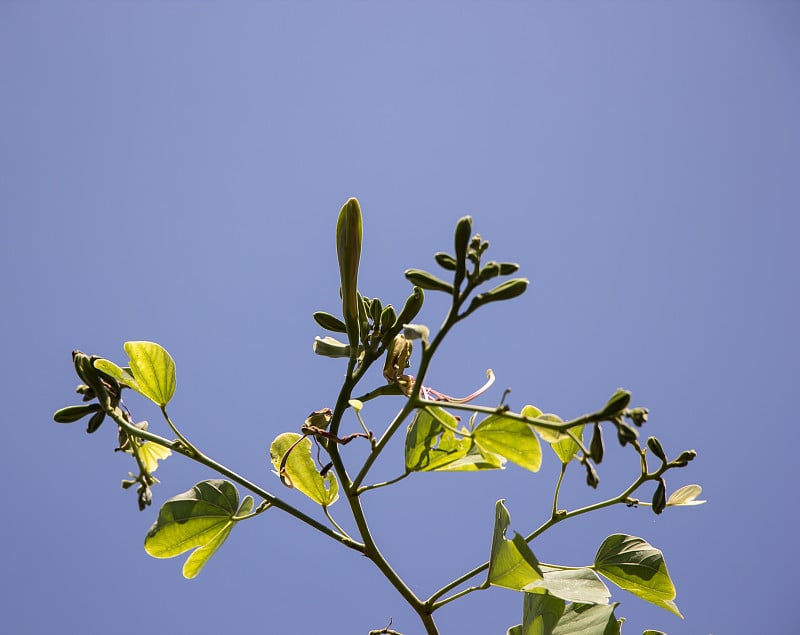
(512, 564)
(636, 566)
(300, 471)
(199, 519)
(151, 372)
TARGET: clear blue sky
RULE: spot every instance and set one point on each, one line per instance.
(172, 171)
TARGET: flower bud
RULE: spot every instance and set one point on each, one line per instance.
(592, 480)
(461, 242)
(348, 250)
(659, 501)
(71, 414)
(445, 261)
(596, 448)
(616, 404)
(505, 291)
(655, 447)
(329, 322)
(427, 280)
(625, 434)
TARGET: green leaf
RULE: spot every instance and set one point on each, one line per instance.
(512, 564)
(511, 439)
(151, 453)
(300, 471)
(201, 518)
(566, 448)
(574, 585)
(650, 631)
(474, 460)
(122, 375)
(515, 630)
(430, 444)
(588, 619)
(540, 613)
(153, 369)
(636, 566)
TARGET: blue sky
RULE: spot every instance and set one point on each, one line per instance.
(173, 171)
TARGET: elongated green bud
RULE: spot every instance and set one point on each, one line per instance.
(505, 291)
(596, 448)
(329, 322)
(363, 316)
(461, 242)
(507, 268)
(490, 270)
(407, 314)
(348, 250)
(375, 311)
(592, 480)
(71, 414)
(659, 501)
(95, 421)
(683, 459)
(427, 280)
(445, 261)
(655, 447)
(625, 434)
(388, 318)
(616, 404)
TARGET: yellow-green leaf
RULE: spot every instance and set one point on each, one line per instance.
(512, 564)
(201, 519)
(153, 370)
(636, 566)
(151, 453)
(511, 439)
(299, 469)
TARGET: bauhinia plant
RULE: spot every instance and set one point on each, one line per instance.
(442, 433)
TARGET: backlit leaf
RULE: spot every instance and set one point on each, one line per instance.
(588, 619)
(198, 519)
(431, 443)
(511, 439)
(636, 566)
(300, 471)
(574, 585)
(540, 613)
(153, 370)
(512, 564)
